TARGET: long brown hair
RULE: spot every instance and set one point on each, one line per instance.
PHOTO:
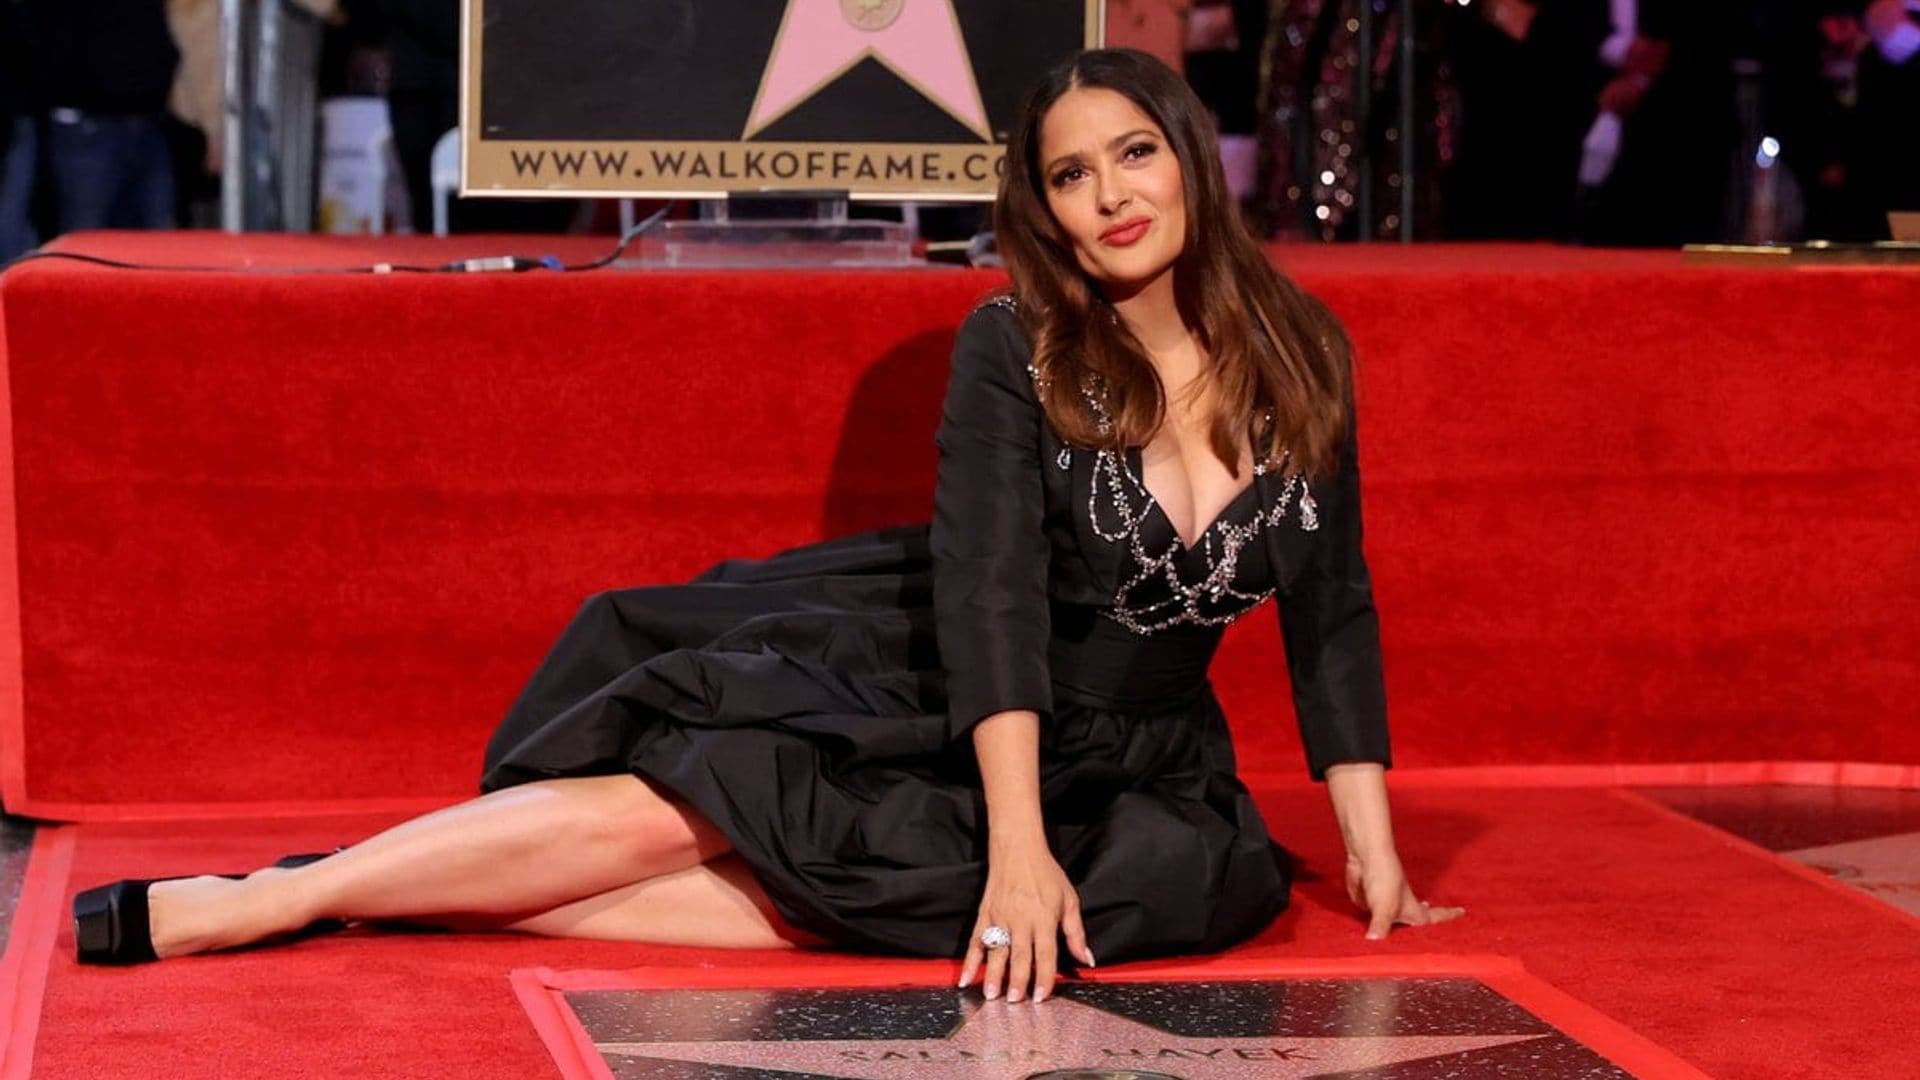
(1271, 347)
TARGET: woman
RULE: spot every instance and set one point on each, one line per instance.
(989, 736)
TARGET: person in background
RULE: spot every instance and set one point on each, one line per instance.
(1156, 27)
(1890, 107)
(423, 93)
(1658, 173)
(19, 157)
(198, 95)
(104, 69)
(1812, 108)
(423, 103)
(1529, 72)
(1327, 172)
(1224, 40)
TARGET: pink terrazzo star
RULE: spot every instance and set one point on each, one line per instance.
(821, 40)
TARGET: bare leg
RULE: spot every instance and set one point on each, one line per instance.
(514, 852)
(716, 905)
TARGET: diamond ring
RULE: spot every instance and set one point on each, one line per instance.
(995, 937)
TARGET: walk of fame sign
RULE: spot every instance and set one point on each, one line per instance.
(876, 98)
(1380, 1028)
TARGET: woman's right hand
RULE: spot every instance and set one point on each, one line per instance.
(1030, 895)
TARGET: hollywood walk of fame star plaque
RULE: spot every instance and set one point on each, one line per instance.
(1207, 1021)
(877, 98)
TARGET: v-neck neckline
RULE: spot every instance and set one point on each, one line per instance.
(1137, 465)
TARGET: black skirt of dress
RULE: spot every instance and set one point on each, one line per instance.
(798, 703)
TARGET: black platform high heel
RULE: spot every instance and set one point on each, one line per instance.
(111, 923)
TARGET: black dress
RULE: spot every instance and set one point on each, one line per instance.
(814, 705)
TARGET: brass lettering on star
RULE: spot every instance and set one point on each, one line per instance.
(871, 15)
(947, 1057)
(1191, 1053)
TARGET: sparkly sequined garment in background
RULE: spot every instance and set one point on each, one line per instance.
(1310, 131)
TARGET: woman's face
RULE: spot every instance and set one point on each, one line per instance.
(1114, 185)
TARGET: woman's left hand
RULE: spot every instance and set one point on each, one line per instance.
(1377, 885)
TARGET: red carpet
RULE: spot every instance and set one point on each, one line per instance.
(301, 536)
(1731, 959)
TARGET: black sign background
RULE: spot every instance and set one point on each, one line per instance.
(687, 70)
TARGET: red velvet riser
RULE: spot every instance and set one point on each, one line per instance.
(303, 537)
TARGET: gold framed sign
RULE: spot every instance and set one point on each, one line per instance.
(881, 99)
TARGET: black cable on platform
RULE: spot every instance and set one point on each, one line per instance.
(186, 268)
(626, 239)
(485, 264)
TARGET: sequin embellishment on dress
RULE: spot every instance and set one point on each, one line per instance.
(1164, 589)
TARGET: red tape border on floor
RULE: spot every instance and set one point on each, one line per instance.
(542, 993)
(1784, 862)
(23, 971)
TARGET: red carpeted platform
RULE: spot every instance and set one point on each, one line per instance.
(290, 541)
(1709, 950)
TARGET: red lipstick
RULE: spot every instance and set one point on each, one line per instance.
(1125, 233)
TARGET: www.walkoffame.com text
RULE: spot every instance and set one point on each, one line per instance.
(747, 164)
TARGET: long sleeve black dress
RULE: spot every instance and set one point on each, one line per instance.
(815, 705)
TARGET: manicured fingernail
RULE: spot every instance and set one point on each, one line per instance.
(1039, 996)
(964, 980)
(992, 992)
(1013, 997)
